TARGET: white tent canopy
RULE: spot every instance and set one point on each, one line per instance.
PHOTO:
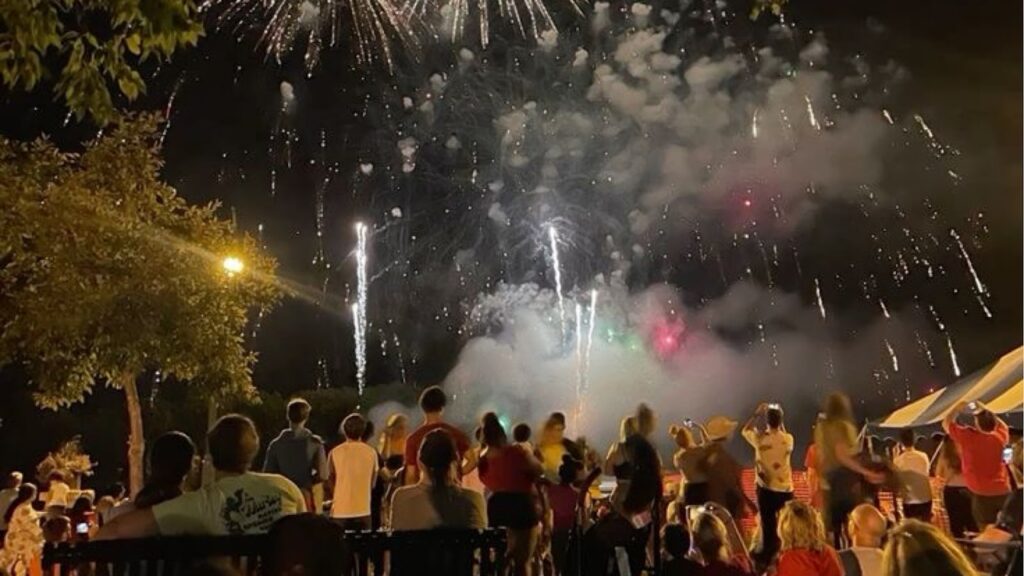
(999, 386)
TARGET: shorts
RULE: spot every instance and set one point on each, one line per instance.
(511, 510)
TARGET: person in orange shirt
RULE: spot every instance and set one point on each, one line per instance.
(981, 454)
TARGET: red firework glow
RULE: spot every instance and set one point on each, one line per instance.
(666, 337)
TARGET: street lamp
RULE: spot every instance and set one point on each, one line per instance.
(232, 265)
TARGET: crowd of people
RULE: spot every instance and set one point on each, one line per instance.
(542, 491)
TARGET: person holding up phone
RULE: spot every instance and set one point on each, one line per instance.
(773, 448)
(981, 453)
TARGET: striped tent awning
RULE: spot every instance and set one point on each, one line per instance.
(999, 386)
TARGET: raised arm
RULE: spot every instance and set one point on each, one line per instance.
(752, 421)
(950, 418)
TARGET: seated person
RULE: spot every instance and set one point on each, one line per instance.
(236, 502)
(867, 527)
(675, 544)
(437, 501)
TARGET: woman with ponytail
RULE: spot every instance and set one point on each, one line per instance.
(437, 501)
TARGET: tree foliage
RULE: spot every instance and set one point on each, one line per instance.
(105, 271)
(86, 46)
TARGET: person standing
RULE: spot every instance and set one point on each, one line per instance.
(691, 461)
(773, 448)
(956, 498)
(724, 473)
(298, 454)
(835, 439)
(981, 454)
(354, 468)
(510, 473)
(392, 441)
(8, 495)
(619, 463)
(23, 542)
(915, 487)
(867, 529)
(432, 403)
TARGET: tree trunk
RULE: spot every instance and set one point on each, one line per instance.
(136, 441)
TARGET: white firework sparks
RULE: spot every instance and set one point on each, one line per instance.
(359, 308)
(556, 265)
(529, 18)
(952, 355)
(373, 25)
(817, 294)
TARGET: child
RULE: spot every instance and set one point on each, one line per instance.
(563, 498)
(521, 434)
(675, 544)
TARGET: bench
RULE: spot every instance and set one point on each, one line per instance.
(454, 552)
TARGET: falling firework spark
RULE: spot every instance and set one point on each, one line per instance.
(359, 308)
(952, 355)
(892, 355)
(885, 310)
(556, 265)
(811, 116)
(925, 348)
(978, 285)
(817, 293)
(753, 124)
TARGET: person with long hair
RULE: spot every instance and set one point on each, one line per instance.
(171, 459)
(804, 550)
(553, 445)
(510, 473)
(437, 501)
(710, 538)
(835, 440)
(629, 525)
(618, 462)
(691, 461)
(916, 548)
(23, 543)
(391, 444)
(955, 497)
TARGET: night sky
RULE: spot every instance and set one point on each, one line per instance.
(225, 143)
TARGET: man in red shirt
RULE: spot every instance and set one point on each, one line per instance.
(981, 453)
(432, 403)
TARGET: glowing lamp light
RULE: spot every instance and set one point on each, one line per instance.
(232, 265)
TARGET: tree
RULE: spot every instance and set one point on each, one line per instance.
(106, 273)
(90, 44)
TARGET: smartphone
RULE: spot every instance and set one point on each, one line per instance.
(972, 406)
(688, 423)
(82, 528)
(1007, 455)
(774, 406)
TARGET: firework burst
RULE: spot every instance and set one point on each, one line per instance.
(371, 26)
